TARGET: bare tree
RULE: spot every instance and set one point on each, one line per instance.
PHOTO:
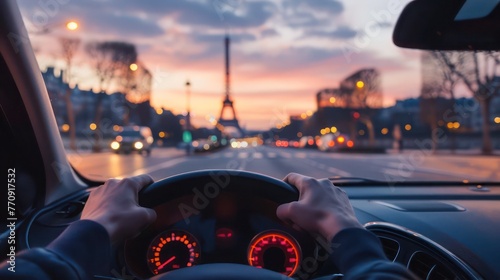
(111, 62)
(361, 92)
(69, 47)
(136, 85)
(480, 72)
(437, 95)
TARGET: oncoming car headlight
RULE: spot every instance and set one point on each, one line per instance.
(138, 145)
(115, 145)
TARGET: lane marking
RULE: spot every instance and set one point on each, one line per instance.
(257, 155)
(243, 155)
(286, 155)
(271, 154)
(300, 155)
(341, 173)
(154, 168)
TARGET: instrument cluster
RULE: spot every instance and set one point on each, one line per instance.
(273, 250)
(232, 229)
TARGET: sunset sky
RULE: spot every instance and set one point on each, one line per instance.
(283, 51)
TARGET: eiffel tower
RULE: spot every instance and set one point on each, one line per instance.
(227, 103)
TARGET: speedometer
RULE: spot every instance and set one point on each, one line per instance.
(275, 250)
(171, 250)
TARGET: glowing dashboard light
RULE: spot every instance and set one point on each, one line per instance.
(275, 251)
(171, 250)
(224, 233)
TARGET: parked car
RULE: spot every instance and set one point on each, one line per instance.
(133, 139)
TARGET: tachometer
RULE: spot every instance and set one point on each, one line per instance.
(275, 251)
(171, 250)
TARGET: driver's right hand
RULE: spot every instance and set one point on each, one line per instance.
(322, 208)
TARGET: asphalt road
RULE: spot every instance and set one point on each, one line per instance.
(413, 165)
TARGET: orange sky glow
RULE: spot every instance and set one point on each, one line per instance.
(273, 76)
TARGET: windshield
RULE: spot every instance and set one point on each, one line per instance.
(130, 134)
(314, 87)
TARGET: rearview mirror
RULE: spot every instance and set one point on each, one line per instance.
(449, 25)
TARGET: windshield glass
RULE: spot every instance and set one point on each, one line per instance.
(272, 86)
(130, 133)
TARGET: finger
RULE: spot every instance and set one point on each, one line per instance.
(285, 211)
(140, 181)
(150, 215)
(297, 180)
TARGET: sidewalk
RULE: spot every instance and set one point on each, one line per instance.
(447, 152)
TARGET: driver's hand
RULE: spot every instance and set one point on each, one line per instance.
(321, 209)
(115, 206)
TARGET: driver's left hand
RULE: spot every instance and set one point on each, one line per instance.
(115, 206)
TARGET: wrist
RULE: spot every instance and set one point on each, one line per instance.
(330, 227)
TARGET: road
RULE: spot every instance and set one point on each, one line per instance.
(277, 162)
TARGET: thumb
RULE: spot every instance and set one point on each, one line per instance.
(285, 211)
(150, 216)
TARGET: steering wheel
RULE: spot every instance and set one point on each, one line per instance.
(214, 182)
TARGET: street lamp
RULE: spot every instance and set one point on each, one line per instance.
(133, 67)
(187, 136)
(72, 25)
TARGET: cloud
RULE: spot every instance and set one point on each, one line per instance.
(208, 13)
(268, 33)
(342, 32)
(124, 25)
(218, 39)
(331, 7)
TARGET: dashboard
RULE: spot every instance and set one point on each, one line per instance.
(437, 232)
(233, 228)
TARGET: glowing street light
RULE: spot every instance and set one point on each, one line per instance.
(93, 126)
(332, 99)
(453, 125)
(497, 120)
(134, 67)
(65, 127)
(72, 25)
(408, 127)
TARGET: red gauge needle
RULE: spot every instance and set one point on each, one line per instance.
(166, 262)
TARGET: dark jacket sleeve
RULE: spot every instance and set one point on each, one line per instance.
(81, 251)
(358, 254)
